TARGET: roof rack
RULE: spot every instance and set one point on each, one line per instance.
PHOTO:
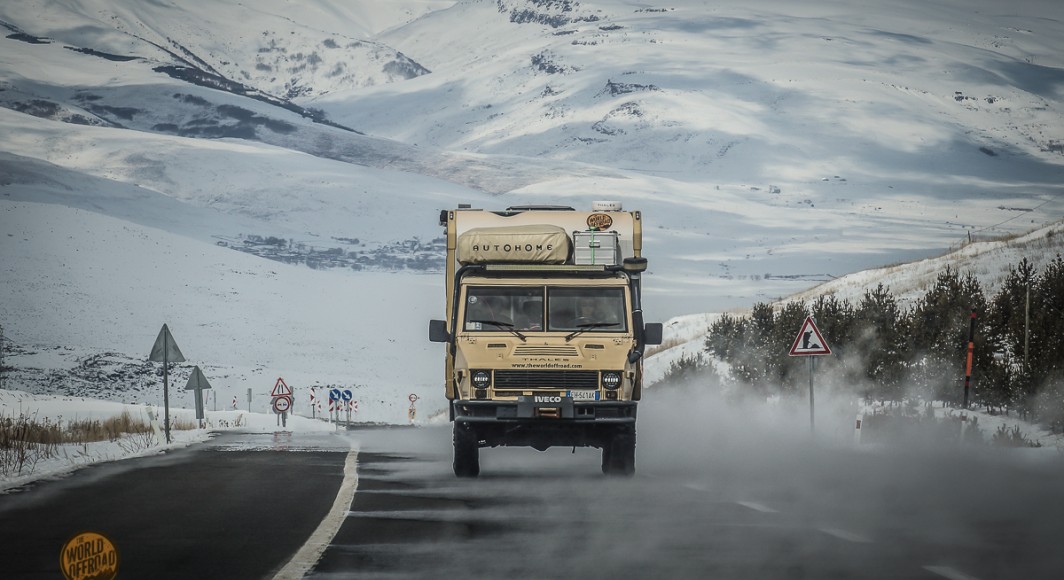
(539, 208)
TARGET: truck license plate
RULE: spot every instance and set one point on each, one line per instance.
(584, 395)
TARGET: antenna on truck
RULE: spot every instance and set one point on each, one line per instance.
(606, 206)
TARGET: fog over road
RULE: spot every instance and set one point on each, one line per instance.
(726, 508)
(730, 492)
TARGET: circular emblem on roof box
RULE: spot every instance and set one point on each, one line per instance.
(599, 221)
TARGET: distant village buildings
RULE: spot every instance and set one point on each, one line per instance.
(412, 254)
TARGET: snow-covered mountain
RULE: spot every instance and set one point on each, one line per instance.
(771, 145)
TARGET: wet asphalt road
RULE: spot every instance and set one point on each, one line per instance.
(236, 507)
(781, 507)
(745, 510)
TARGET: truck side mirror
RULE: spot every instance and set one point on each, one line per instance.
(438, 331)
(652, 333)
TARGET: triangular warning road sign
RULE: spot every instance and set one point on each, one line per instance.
(197, 381)
(809, 341)
(165, 349)
(281, 389)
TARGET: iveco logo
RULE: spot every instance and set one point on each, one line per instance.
(544, 399)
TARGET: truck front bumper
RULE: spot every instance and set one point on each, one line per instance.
(545, 408)
(542, 421)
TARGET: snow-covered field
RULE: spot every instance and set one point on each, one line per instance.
(68, 457)
(771, 145)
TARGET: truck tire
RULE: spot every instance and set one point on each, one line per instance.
(618, 453)
(466, 451)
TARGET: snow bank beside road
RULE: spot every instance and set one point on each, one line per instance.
(69, 457)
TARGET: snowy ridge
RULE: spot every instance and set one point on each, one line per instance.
(989, 262)
(770, 147)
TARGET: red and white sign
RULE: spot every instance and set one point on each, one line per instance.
(281, 389)
(809, 341)
(282, 404)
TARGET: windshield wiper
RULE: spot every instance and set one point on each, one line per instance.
(503, 325)
(586, 327)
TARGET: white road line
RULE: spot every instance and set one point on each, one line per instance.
(844, 535)
(696, 486)
(757, 507)
(315, 546)
(947, 572)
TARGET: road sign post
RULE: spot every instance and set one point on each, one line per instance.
(812, 414)
(198, 383)
(334, 404)
(281, 405)
(412, 412)
(968, 365)
(347, 396)
(165, 350)
(282, 398)
(810, 343)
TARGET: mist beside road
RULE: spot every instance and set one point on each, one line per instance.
(723, 488)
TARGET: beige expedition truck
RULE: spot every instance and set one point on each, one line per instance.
(544, 330)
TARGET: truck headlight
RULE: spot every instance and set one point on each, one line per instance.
(481, 379)
(611, 379)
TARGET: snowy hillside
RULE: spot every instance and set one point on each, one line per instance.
(85, 296)
(771, 146)
(989, 262)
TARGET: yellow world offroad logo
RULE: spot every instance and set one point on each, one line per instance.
(89, 555)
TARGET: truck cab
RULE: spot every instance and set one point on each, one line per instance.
(544, 344)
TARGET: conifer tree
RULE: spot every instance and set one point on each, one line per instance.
(756, 357)
(836, 320)
(725, 337)
(785, 368)
(881, 343)
(939, 325)
(1047, 342)
(1047, 319)
(1010, 383)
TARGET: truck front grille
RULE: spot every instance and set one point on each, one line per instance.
(520, 379)
(531, 350)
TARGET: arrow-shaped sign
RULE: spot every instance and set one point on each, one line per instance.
(198, 382)
(165, 351)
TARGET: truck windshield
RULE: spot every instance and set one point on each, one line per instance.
(581, 308)
(538, 308)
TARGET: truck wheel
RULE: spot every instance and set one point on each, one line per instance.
(618, 454)
(466, 451)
